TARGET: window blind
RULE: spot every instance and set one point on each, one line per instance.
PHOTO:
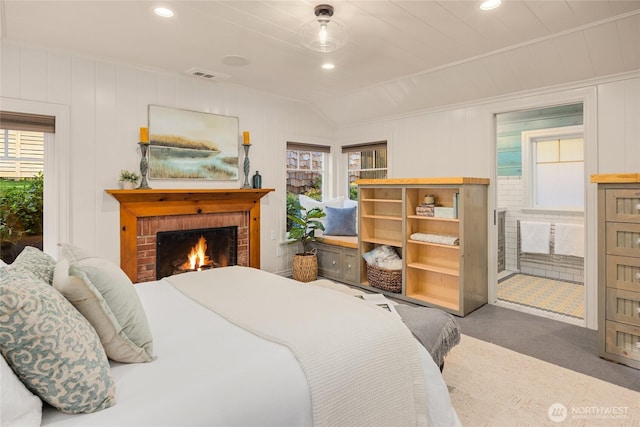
(367, 146)
(300, 146)
(27, 122)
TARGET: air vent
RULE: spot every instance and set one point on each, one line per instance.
(207, 75)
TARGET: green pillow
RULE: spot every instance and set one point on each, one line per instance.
(53, 349)
(105, 296)
(33, 261)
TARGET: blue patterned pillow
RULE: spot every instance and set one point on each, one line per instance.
(341, 222)
(33, 261)
(53, 349)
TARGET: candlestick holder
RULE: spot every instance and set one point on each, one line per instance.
(246, 166)
(144, 166)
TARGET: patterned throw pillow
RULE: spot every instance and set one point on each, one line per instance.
(33, 261)
(53, 349)
(105, 296)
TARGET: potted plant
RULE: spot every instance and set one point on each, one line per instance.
(128, 180)
(304, 225)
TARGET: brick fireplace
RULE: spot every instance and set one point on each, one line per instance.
(143, 213)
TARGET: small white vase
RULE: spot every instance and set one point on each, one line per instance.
(126, 185)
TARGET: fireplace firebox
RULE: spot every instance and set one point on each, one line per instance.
(180, 251)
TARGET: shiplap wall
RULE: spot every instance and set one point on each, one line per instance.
(461, 142)
(108, 104)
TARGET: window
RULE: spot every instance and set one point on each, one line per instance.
(306, 172)
(556, 175)
(365, 161)
(22, 156)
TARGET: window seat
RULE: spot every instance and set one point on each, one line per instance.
(343, 241)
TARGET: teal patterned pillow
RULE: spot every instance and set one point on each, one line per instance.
(33, 261)
(53, 349)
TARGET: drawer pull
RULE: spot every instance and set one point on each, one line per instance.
(637, 276)
(333, 262)
(349, 265)
(638, 207)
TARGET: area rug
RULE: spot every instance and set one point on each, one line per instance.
(493, 386)
(555, 296)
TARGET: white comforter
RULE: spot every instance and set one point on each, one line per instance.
(211, 372)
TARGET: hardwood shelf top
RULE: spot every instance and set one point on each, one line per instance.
(165, 195)
(615, 178)
(424, 181)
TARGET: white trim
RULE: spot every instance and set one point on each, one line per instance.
(588, 97)
(56, 178)
(526, 139)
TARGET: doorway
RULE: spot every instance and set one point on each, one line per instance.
(540, 171)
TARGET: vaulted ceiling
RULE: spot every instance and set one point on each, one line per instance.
(400, 55)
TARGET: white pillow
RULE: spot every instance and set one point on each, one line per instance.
(18, 406)
(105, 296)
(308, 203)
(2, 263)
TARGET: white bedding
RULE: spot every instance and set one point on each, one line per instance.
(211, 372)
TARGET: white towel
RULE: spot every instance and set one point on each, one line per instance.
(570, 239)
(535, 237)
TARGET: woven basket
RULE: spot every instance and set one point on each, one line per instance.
(387, 280)
(304, 268)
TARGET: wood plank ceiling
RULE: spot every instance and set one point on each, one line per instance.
(400, 56)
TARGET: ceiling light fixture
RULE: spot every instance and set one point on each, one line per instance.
(490, 4)
(328, 66)
(323, 34)
(164, 12)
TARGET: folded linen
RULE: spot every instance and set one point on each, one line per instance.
(535, 237)
(569, 239)
(435, 238)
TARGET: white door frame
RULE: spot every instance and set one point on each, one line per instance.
(588, 97)
(56, 166)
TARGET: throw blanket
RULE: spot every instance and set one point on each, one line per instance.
(435, 238)
(436, 330)
(361, 362)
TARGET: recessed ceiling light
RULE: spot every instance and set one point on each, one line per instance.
(328, 66)
(235, 60)
(163, 12)
(490, 4)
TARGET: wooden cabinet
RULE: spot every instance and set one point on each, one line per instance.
(452, 277)
(619, 268)
(337, 262)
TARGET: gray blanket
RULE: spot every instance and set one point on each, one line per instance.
(436, 330)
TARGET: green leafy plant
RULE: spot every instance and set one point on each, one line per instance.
(128, 176)
(21, 208)
(304, 225)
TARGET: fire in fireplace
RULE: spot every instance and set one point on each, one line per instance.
(180, 251)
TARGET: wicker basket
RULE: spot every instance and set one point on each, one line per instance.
(387, 280)
(304, 268)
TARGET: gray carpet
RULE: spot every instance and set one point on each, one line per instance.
(569, 346)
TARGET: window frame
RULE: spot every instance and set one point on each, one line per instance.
(529, 139)
(311, 148)
(360, 148)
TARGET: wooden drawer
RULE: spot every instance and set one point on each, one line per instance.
(623, 306)
(623, 205)
(623, 340)
(329, 261)
(623, 239)
(350, 267)
(623, 273)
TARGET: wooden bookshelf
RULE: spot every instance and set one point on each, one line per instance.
(452, 277)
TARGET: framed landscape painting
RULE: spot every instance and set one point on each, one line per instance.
(187, 144)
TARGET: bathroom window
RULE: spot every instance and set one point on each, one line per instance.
(555, 168)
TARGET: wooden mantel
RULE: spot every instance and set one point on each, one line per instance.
(135, 204)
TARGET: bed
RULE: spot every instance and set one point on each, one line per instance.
(220, 369)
